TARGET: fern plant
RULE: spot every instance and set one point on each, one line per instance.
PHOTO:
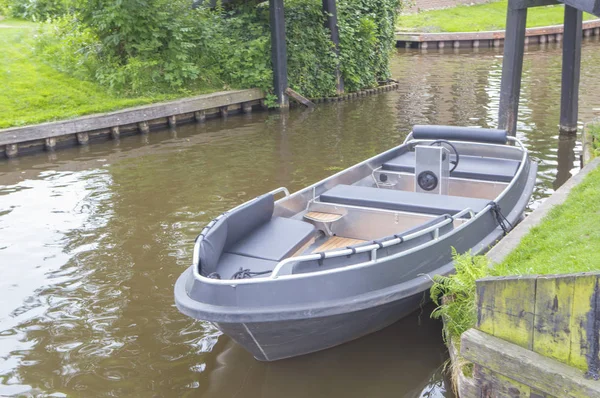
(454, 295)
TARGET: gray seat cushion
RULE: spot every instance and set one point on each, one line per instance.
(401, 200)
(274, 240)
(473, 167)
(230, 263)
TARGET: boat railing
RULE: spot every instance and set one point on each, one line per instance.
(372, 247)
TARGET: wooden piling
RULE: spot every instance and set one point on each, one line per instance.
(224, 111)
(143, 127)
(200, 116)
(279, 51)
(115, 133)
(172, 121)
(512, 67)
(330, 10)
(247, 107)
(569, 98)
(83, 138)
(50, 144)
(11, 150)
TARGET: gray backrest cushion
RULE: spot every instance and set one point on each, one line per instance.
(211, 247)
(432, 132)
(243, 220)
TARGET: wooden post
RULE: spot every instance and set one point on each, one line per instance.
(224, 111)
(50, 143)
(569, 98)
(512, 67)
(247, 107)
(83, 138)
(200, 116)
(144, 127)
(115, 132)
(172, 121)
(11, 150)
(279, 52)
(329, 7)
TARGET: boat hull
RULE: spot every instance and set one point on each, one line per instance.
(271, 341)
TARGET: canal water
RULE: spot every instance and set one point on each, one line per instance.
(92, 239)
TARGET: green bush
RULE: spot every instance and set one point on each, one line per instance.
(35, 10)
(454, 295)
(136, 46)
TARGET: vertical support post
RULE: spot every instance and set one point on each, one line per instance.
(512, 68)
(279, 52)
(571, 65)
(330, 9)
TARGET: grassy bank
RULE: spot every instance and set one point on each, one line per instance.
(566, 241)
(479, 17)
(33, 92)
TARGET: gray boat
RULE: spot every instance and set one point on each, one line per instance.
(355, 252)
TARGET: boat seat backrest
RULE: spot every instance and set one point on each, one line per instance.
(244, 219)
(233, 226)
(211, 246)
(469, 167)
(391, 199)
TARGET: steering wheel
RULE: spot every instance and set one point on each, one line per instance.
(454, 162)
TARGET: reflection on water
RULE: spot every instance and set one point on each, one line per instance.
(92, 239)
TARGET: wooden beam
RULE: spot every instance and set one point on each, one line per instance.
(279, 52)
(329, 7)
(298, 98)
(571, 66)
(520, 4)
(589, 6)
(512, 67)
(525, 366)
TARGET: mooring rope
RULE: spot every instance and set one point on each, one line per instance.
(246, 273)
(501, 218)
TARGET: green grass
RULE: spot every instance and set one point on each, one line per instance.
(594, 130)
(33, 92)
(479, 17)
(566, 241)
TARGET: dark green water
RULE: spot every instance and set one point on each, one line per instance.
(92, 239)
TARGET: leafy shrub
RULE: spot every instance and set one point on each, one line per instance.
(35, 10)
(136, 46)
(454, 295)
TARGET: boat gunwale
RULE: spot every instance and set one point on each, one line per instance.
(338, 253)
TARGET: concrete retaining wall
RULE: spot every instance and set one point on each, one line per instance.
(82, 130)
(542, 35)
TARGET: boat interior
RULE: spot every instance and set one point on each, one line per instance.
(395, 195)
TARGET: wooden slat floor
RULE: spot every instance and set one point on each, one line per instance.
(337, 242)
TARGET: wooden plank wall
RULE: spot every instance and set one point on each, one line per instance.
(556, 316)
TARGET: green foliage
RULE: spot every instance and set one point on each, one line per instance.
(454, 295)
(35, 10)
(366, 40)
(149, 46)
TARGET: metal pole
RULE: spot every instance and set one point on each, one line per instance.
(569, 96)
(512, 68)
(279, 52)
(329, 7)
